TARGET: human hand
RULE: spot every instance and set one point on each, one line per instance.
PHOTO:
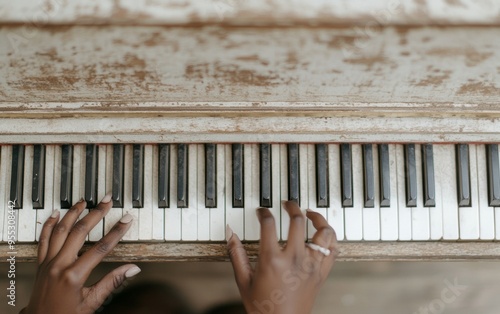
(284, 280)
(61, 275)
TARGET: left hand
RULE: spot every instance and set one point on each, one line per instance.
(59, 285)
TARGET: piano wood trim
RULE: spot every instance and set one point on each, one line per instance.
(255, 12)
(349, 251)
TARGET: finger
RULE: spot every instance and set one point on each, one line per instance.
(296, 233)
(268, 237)
(239, 260)
(43, 241)
(81, 229)
(61, 230)
(98, 293)
(89, 260)
(325, 237)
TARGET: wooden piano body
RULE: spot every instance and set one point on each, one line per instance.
(259, 71)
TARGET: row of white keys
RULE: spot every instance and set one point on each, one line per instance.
(353, 216)
(235, 216)
(43, 214)
(389, 222)
(335, 213)
(27, 215)
(486, 212)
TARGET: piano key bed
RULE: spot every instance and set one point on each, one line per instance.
(376, 196)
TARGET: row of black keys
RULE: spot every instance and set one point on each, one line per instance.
(265, 175)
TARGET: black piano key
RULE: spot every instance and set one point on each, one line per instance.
(384, 175)
(428, 175)
(66, 176)
(493, 174)
(163, 176)
(210, 175)
(322, 186)
(346, 174)
(118, 175)
(238, 175)
(17, 176)
(91, 175)
(293, 173)
(411, 175)
(138, 176)
(38, 181)
(368, 178)
(182, 176)
(463, 177)
(266, 199)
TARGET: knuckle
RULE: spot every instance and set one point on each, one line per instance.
(297, 219)
(118, 280)
(102, 247)
(60, 229)
(266, 220)
(70, 276)
(80, 227)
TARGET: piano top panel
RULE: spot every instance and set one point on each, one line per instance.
(256, 12)
(433, 65)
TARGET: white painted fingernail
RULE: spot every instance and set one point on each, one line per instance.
(229, 233)
(132, 272)
(106, 198)
(55, 213)
(126, 219)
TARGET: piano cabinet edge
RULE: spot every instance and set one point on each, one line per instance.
(349, 251)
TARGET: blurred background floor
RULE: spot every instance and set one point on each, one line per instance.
(363, 287)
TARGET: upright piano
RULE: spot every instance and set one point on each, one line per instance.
(383, 116)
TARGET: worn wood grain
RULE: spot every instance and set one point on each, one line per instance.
(349, 251)
(255, 12)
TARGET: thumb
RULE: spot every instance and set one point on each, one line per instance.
(98, 293)
(239, 260)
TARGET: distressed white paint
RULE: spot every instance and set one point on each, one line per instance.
(255, 12)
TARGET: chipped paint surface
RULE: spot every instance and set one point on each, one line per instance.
(224, 64)
(255, 12)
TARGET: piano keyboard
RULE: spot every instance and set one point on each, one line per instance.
(189, 192)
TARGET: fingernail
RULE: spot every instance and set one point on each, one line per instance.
(309, 210)
(229, 233)
(126, 219)
(55, 213)
(106, 198)
(81, 200)
(132, 272)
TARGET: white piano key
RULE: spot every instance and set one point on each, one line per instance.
(354, 215)
(189, 214)
(276, 193)
(486, 212)
(133, 233)
(98, 231)
(469, 216)
(446, 172)
(285, 219)
(404, 212)
(371, 215)
(217, 215)
(173, 220)
(5, 172)
(114, 214)
(304, 180)
(27, 215)
(56, 187)
(43, 214)
(311, 174)
(203, 212)
(335, 212)
(146, 212)
(389, 221)
(252, 193)
(158, 214)
(235, 216)
(436, 213)
(78, 177)
(420, 215)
